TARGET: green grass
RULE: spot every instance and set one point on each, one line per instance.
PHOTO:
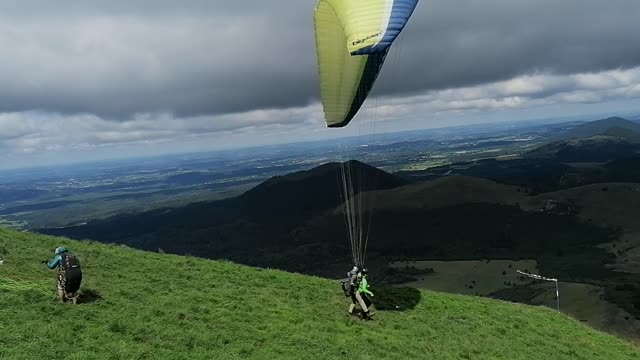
(11, 224)
(154, 306)
(469, 277)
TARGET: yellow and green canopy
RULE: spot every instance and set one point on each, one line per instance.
(353, 38)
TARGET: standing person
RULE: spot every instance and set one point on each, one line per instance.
(352, 287)
(348, 283)
(365, 294)
(69, 273)
(355, 280)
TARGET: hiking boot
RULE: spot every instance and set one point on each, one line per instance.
(367, 316)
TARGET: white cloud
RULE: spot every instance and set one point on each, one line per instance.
(522, 92)
(33, 132)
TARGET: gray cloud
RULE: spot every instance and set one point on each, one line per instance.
(37, 132)
(190, 59)
(469, 42)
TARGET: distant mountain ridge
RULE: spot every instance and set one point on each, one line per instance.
(311, 191)
(600, 127)
(597, 141)
(597, 148)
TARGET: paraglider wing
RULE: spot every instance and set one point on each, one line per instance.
(352, 39)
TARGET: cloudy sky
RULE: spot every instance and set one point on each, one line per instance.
(93, 79)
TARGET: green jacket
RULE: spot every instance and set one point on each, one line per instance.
(364, 287)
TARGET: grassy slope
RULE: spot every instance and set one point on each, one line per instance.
(475, 277)
(154, 306)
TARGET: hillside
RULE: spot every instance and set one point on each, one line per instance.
(447, 191)
(596, 141)
(254, 228)
(149, 305)
(570, 159)
(607, 204)
(586, 236)
(314, 190)
(625, 169)
(613, 125)
(597, 148)
(454, 218)
(550, 167)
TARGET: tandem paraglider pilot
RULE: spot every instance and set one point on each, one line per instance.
(69, 274)
(357, 287)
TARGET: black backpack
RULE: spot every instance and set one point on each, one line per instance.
(344, 283)
(72, 272)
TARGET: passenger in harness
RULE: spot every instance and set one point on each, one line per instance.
(348, 283)
(69, 274)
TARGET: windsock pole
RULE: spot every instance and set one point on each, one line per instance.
(538, 277)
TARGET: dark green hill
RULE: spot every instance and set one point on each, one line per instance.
(254, 228)
(613, 126)
(625, 169)
(535, 175)
(597, 148)
(315, 190)
(596, 141)
(551, 167)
